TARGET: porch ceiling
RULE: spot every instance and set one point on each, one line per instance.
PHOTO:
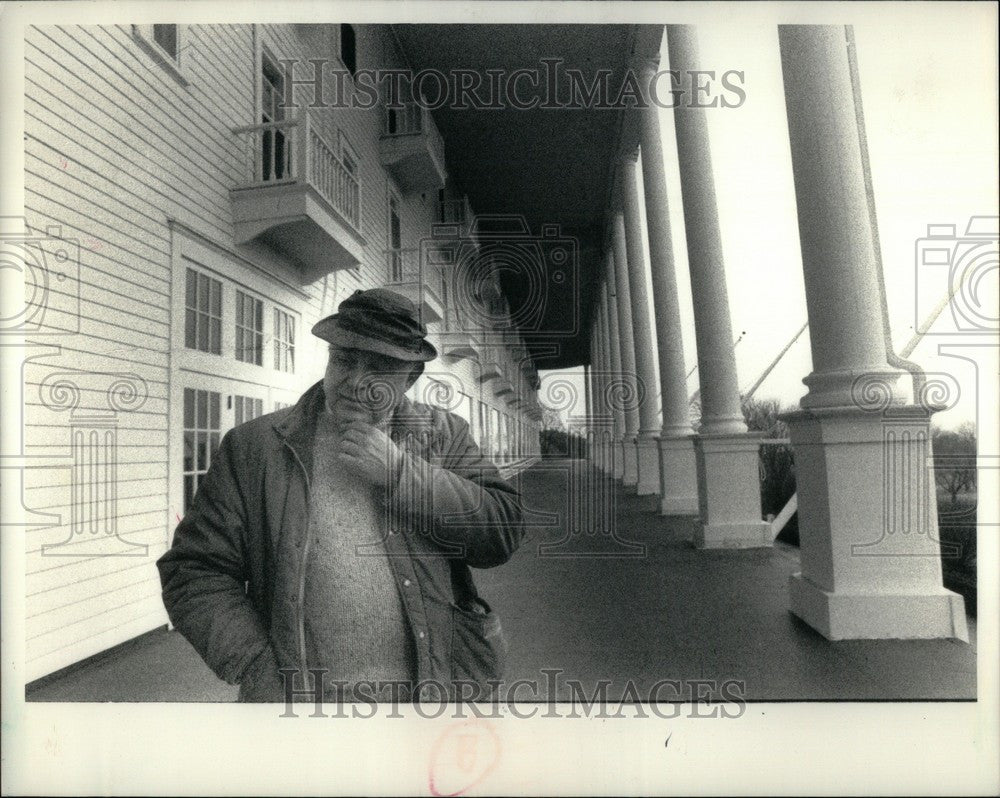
(553, 166)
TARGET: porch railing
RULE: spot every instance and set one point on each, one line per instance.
(293, 150)
(403, 268)
(411, 120)
(455, 211)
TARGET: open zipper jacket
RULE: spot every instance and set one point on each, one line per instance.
(448, 510)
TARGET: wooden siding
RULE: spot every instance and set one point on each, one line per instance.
(120, 155)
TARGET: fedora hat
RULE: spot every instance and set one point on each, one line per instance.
(378, 320)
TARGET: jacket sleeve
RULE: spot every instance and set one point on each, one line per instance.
(204, 574)
(462, 499)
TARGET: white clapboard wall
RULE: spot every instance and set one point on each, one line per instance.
(126, 161)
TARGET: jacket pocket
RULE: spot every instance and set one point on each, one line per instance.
(478, 647)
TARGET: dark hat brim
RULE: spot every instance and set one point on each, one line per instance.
(329, 330)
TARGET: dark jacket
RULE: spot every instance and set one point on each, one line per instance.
(450, 509)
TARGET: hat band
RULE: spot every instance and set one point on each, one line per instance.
(360, 325)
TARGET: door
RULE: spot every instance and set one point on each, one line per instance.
(274, 149)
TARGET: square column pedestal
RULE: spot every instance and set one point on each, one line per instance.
(729, 492)
(619, 459)
(648, 461)
(602, 447)
(630, 463)
(678, 476)
(870, 554)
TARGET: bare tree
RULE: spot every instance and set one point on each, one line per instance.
(955, 459)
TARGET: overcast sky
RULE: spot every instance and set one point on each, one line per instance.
(929, 88)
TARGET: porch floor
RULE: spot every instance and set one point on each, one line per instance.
(673, 612)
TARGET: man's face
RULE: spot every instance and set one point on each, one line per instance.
(359, 380)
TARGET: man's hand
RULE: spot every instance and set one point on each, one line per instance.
(368, 452)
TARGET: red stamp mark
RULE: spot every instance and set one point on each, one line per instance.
(462, 757)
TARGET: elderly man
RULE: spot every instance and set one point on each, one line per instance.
(336, 535)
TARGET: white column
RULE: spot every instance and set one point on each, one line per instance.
(597, 408)
(604, 435)
(867, 507)
(622, 332)
(727, 456)
(613, 375)
(647, 451)
(678, 464)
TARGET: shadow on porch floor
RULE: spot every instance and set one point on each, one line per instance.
(672, 612)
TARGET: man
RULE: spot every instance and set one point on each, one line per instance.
(337, 535)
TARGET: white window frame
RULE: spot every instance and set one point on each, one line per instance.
(247, 331)
(192, 368)
(286, 347)
(174, 66)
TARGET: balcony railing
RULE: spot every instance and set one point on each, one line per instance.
(422, 285)
(414, 120)
(455, 211)
(411, 147)
(293, 150)
(298, 194)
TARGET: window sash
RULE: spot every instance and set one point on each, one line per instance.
(249, 329)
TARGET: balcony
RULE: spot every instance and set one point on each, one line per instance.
(456, 218)
(458, 339)
(411, 148)
(490, 371)
(299, 197)
(459, 344)
(422, 286)
(504, 387)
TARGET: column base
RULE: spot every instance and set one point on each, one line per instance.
(733, 536)
(648, 461)
(630, 462)
(679, 505)
(678, 476)
(729, 492)
(879, 616)
(868, 529)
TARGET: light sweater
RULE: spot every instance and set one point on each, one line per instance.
(354, 619)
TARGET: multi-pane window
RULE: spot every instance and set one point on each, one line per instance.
(249, 329)
(284, 341)
(281, 405)
(201, 437)
(497, 433)
(247, 408)
(203, 318)
(274, 153)
(484, 422)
